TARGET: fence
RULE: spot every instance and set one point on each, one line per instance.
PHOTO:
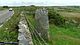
(39, 32)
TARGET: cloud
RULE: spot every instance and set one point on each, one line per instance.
(40, 2)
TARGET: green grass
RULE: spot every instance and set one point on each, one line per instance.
(1, 8)
(64, 36)
(69, 35)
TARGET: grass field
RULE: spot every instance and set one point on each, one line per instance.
(70, 14)
(64, 36)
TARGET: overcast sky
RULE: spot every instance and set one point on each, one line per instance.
(40, 2)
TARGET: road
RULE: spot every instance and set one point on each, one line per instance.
(5, 15)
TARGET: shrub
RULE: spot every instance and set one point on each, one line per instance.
(55, 18)
(5, 6)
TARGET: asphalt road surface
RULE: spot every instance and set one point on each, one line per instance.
(5, 15)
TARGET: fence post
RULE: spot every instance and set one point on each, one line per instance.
(42, 22)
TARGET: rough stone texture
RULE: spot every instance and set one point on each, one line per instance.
(41, 17)
(24, 35)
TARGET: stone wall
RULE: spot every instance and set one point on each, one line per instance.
(24, 35)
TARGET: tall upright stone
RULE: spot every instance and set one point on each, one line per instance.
(42, 22)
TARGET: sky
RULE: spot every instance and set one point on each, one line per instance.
(40, 2)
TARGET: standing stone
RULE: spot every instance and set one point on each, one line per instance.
(42, 22)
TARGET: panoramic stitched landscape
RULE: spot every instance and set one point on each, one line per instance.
(64, 24)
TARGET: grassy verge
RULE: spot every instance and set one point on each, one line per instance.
(8, 32)
(1, 8)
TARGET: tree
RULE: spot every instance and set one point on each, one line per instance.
(5, 6)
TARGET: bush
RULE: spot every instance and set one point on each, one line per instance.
(5, 6)
(55, 18)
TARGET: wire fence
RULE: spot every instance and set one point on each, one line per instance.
(37, 39)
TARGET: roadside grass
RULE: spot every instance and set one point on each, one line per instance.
(1, 8)
(9, 32)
